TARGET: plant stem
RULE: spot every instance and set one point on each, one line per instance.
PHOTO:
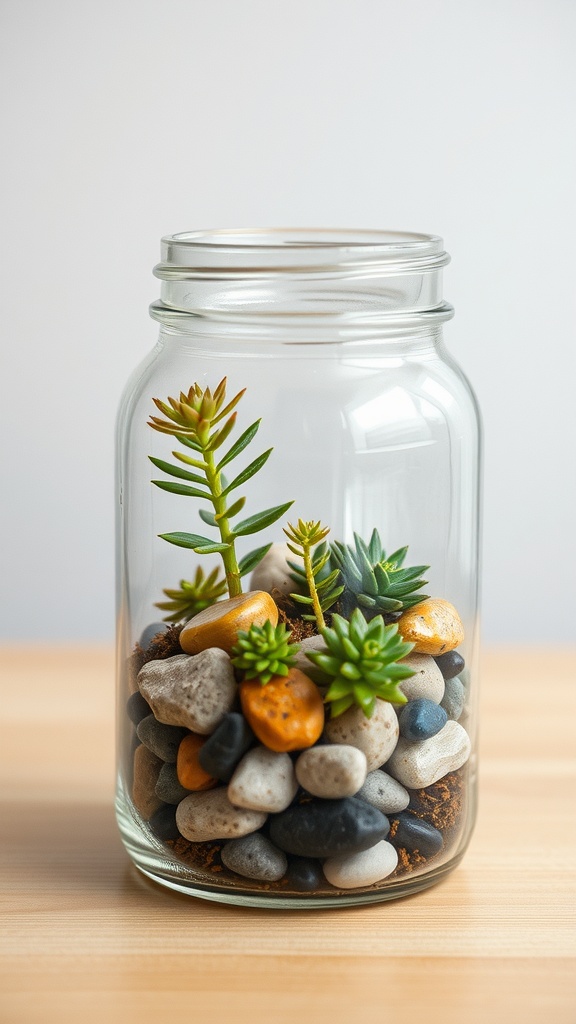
(228, 557)
(307, 553)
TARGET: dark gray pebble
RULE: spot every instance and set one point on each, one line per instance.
(414, 834)
(163, 823)
(420, 719)
(162, 740)
(137, 707)
(325, 828)
(226, 746)
(168, 788)
(304, 874)
(150, 632)
(454, 699)
(450, 664)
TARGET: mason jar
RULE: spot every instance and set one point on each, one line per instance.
(298, 541)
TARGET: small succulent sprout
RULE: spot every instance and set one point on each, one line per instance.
(375, 581)
(192, 596)
(322, 587)
(264, 651)
(196, 420)
(363, 660)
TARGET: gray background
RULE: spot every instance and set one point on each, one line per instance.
(123, 121)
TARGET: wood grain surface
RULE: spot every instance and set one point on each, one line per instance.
(85, 938)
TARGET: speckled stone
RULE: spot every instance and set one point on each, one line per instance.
(427, 681)
(210, 815)
(376, 737)
(263, 781)
(331, 771)
(162, 740)
(384, 792)
(417, 765)
(354, 870)
(433, 626)
(254, 856)
(192, 691)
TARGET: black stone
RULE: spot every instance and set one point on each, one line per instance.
(450, 664)
(225, 747)
(325, 828)
(168, 788)
(150, 632)
(163, 823)
(162, 740)
(414, 834)
(305, 874)
(422, 718)
(137, 707)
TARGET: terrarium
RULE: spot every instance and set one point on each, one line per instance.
(298, 532)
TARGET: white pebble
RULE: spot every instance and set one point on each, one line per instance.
(376, 736)
(352, 870)
(428, 680)
(385, 793)
(202, 817)
(263, 781)
(333, 771)
(421, 764)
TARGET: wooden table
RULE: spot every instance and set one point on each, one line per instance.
(87, 939)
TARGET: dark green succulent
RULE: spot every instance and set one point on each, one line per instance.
(375, 581)
(192, 596)
(363, 659)
(264, 651)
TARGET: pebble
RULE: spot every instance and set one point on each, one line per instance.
(225, 747)
(146, 771)
(287, 713)
(326, 828)
(450, 664)
(273, 572)
(193, 692)
(311, 643)
(384, 792)
(427, 680)
(421, 719)
(202, 817)
(168, 787)
(190, 772)
(218, 625)
(263, 781)
(254, 856)
(454, 699)
(162, 740)
(332, 771)
(163, 822)
(150, 632)
(433, 626)
(353, 870)
(412, 833)
(304, 874)
(137, 707)
(417, 765)
(376, 737)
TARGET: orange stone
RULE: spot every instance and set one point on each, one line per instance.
(218, 625)
(287, 713)
(190, 772)
(433, 626)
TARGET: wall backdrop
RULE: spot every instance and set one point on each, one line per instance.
(124, 121)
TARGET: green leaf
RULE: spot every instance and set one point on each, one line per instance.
(190, 492)
(301, 599)
(185, 540)
(209, 549)
(217, 439)
(249, 471)
(251, 560)
(207, 517)
(233, 510)
(188, 442)
(261, 520)
(340, 706)
(240, 445)
(182, 474)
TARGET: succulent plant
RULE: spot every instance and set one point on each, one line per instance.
(193, 420)
(192, 596)
(375, 581)
(363, 660)
(321, 585)
(264, 651)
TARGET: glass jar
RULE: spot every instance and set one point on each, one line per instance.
(297, 723)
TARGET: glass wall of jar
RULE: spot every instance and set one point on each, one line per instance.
(299, 429)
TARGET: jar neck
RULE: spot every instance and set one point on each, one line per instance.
(306, 286)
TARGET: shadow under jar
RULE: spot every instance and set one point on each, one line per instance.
(297, 552)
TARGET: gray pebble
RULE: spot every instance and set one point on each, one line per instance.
(254, 856)
(302, 662)
(428, 680)
(209, 815)
(162, 740)
(353, 870)
(194, 691)
(263, 781)
(273, 573)
(384, 792)
(376, 736)
(168, 787)
(146, 771)
(331, 771)
(454, 698)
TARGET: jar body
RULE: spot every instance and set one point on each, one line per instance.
(375, 430)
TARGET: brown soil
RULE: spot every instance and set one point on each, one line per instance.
(441, 805)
